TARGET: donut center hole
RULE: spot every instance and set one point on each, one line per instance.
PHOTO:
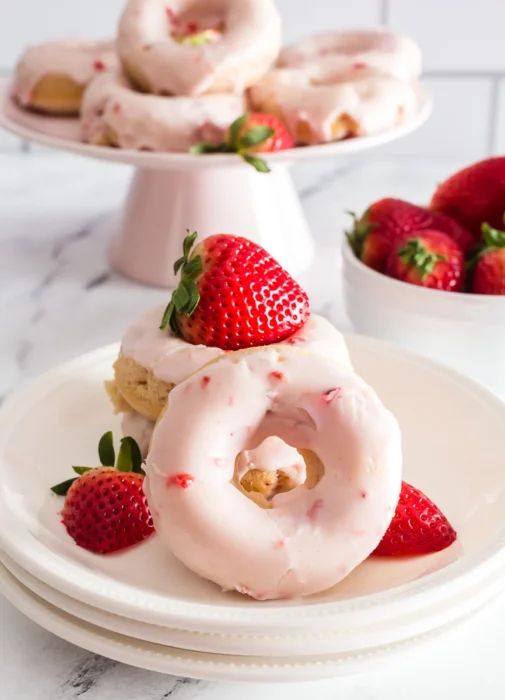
(274, 467)
(197, 25)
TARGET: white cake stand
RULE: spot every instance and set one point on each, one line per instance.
(172, 192)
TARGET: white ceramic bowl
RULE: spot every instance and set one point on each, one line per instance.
(465, 331)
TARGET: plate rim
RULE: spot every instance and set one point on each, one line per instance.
(206, 666)
(117, 597)
(185, 161)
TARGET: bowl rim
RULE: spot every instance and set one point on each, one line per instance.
(376, 277)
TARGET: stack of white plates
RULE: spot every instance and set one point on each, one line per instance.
(144, 608)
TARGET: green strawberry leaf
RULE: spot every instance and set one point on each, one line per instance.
(63, 488)
(180, 297)
(82, 470)
(194, 296)
(234, 132)
(258, 163)
(185, 297)
(193, 267)
(202, 148)
(360, 229)
(189, 242)
(124, 459)
(106, 451)
(178, 264)
(256, 136)
(492, 237)
(135, 454)
(167, 316)
(205, 148)
(414, 254)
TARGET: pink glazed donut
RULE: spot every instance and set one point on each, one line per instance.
(303, 541)
(319, 105)
(192, 47)
(389, 53)
(114, 114)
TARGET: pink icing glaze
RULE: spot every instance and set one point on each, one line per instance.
(79, 59)
(249, 44)
(375, 101)
(389, 53)
(173, 360)
(150, 122)
(218, 532)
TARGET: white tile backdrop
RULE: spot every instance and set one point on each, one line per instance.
(462, 42)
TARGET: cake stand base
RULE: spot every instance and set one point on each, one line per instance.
(162, 204)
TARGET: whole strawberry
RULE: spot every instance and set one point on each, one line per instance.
(233, 295)
(418, 527)
(250, 134)
(105, 508)
(487, 269)
(428, 259)
(474, 195)
(373, 235)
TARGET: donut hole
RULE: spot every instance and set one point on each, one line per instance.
(198, 24)
(274, 467)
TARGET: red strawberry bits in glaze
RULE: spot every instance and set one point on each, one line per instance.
(181, 481)
(233, 295)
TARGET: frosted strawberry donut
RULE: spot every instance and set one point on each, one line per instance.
(320, 106)
(52, 77)
(389, 53)
(191, 47)
(303, 541)
(114, 114)
(152, 361)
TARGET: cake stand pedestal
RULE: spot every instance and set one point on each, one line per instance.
(162, 204)
(215, 193)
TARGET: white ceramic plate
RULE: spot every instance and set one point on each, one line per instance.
(397, 631)
(162, 659)
(454, 441)
(64, 134)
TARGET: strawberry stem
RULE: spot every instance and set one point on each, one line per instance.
(415, 255)
(185, 297)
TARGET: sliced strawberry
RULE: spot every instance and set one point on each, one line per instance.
(105, 508)
(372, 236)
(474, 195)
(250, 134)
(233, 295)
(428, 259)
(418, 527)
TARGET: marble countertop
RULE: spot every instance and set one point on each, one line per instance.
(58, 299)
